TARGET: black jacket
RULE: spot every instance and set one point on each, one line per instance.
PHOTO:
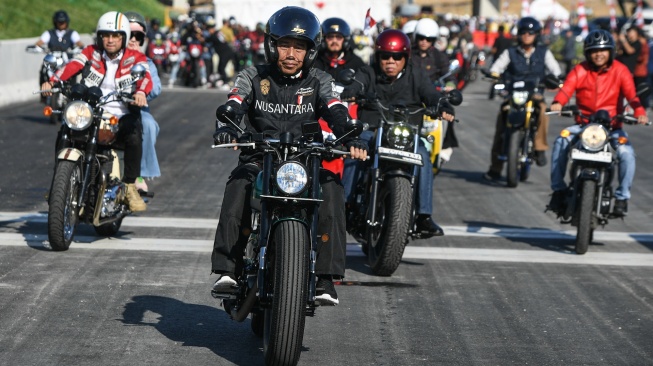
(435, 63)
(348, 61)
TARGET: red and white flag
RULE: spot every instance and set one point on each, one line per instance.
(582, 18)
(369, 23)
(613, 15)
(525, 8)
(638, 14)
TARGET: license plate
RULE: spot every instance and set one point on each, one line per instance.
(399, 155)
(600, 156)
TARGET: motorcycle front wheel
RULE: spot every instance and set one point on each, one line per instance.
(387, 240)
(514, 158)
(283, 331)
(63, 212)
(585, 230)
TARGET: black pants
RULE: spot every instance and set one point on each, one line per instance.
(230, 239)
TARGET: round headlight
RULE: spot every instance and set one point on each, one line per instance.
(519, 97)
(291, 178)
(400, 136)
(594, 137)
(78, 115)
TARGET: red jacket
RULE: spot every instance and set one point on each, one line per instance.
(98, 68)
(597, 90)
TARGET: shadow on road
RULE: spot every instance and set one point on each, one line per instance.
(547, 239)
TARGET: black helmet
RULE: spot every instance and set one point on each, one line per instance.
(60, 17)
(135, 17)
(155, 21)
(295, 22)
(527, 24)
(599, 39)
(337, 25)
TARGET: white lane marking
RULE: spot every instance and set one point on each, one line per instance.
(450, 230)
(353, 250)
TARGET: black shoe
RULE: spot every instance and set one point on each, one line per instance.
(620, 208)
(325, 292)
(427, 227)
(540, 158)
(557, 203)
(491, 176)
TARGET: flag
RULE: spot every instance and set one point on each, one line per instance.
(369, 23)
(582, 18)
(613, 15)
(638, 14)
(525, 8)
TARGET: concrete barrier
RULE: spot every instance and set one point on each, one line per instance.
(19, 74)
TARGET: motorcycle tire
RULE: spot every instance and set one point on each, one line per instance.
(514, 158)
(283, 331)
(387, 241)
(62, 212)
(109, 229)
(585, 229)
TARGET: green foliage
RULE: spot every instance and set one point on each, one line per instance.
(29, 18)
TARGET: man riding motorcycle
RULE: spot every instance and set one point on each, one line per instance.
(425, 56)
(277, 97)
(107, 64)
(394, 80)
(335, 53)
(600, 82)
(526, 61)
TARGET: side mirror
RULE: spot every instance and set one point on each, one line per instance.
(50, 61)
(355, 127)
(346, 76)
(137, 72)
(227, 114)
(552, 82)
(455, 97)
(453, 66)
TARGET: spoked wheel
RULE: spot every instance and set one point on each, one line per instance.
(585, 230)
(514, 158)
(283, 331)
(387, 240)
(63, 212)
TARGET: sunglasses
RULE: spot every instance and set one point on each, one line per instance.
(421, 38)
(140, 37)
(385, 56)
(530, 32)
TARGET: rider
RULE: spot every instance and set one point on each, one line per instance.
(424, 55)
(527, 60)
(335, 53)
(600, 82)
(394, 81)
(265, 94)
(107, 64)
(149, 162)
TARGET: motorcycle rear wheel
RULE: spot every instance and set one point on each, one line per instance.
(63, 212)
(283, 331)
(514, 158)
(387, 241)
(585, 231)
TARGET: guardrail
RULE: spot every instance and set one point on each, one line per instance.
(19, 74)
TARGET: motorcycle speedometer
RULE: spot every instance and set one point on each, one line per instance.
(291, 178)
(520, 97)
(400, 136)
(78, 115)
(594, 137)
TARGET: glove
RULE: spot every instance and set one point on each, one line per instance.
(347, 94)
(224, 135)
(357, 143)
(447, 108)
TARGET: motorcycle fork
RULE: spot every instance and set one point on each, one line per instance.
(314, 222)
(374, 177)
(89, 157)
(264, 228)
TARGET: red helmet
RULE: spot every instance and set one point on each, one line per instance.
(392, 40)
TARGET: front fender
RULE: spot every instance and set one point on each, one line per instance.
(516, 118)
(70, 154)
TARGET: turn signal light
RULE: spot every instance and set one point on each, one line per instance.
(113, 120)
(47, 111)
(623, 140)
(565, 133)
(324, 238)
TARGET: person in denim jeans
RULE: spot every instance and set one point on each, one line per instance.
(600, 83)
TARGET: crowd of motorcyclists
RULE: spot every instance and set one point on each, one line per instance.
(405, 69)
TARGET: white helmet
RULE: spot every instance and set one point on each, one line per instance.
(113, 22)
(409, 27)
(427, 27)
(444, 31)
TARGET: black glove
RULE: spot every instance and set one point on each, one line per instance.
(224, 135)
(447, 108)
(347, 94)
(357, 143)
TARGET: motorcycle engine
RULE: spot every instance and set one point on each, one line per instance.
(114, 195)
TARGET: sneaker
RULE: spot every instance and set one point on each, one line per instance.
(620, 208)
(540, 158)
(141, 185)
(225, 283)
(558, 200)
(325, 292)
(134, 199)
(445, 154)
(491, 176)
(425, 226)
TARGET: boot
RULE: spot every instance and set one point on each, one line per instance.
(134, 200)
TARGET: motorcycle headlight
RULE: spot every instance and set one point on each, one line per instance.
(78, 115)
(594, 137)
(195, 52)
(291, 178)
(400, 136)
(519, 97)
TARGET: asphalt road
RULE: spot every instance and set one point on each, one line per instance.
(502, 287)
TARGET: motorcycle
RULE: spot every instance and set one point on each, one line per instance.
(383, 216)
(86, 185)
(521, 120)
(277, 284)
(156, 50)
(192, 64)
(56, 61)
(476, 62)
(591, 169)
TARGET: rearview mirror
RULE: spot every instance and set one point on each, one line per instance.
(137, 72)
(552, 82)
(643, 90)
(50, 61)
(346, 76)
(455, 97)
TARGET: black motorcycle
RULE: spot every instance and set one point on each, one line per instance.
(383, 216)
(86, 186)
(277, 283)
(591, 170)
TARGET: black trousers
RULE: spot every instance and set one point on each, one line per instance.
(235, 217)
